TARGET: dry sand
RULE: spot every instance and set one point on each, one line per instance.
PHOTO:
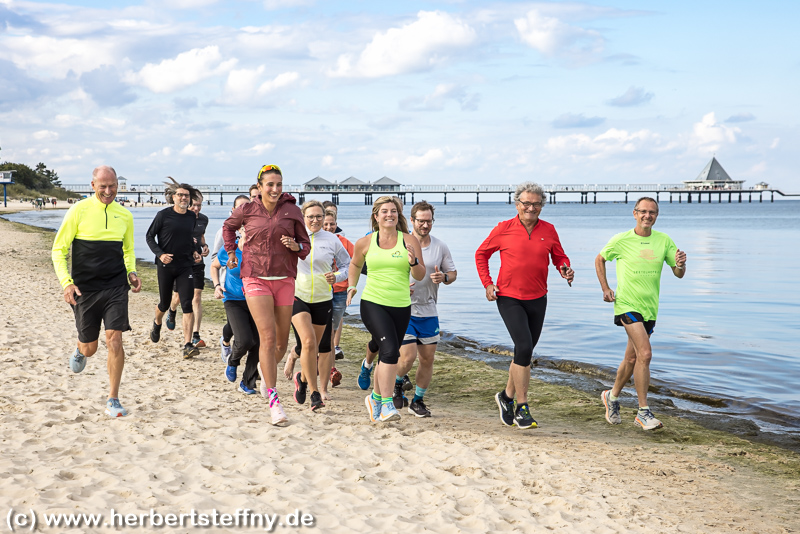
(192, 442)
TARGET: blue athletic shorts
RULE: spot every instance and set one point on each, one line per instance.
(422, 331)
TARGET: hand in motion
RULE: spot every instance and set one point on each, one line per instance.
(197, 257)
(330, 277)
(218, 292)
(233, 261)
(290, 243)
(412, 255)
(411, 288)
(680, 259)
(567, 274)
(70, 292)
(205, 250)
(165, 258)
(351, 292)
(437, 277)
(136, 283)
(491, 292)
(608, 295)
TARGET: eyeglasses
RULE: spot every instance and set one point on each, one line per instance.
(315, 217)
(266, 168)
(181, 194)
(423, 222)
(646, 212)
(534, 205)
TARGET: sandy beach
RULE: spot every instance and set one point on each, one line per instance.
(192, 442)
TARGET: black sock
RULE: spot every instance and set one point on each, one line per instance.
(196, 334)
(188, 345)
(504, 396)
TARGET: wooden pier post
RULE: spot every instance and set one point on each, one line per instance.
(445, 198)
(477, 199)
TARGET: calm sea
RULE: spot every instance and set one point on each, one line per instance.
(730, 330)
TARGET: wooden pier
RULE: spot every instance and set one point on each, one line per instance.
(585, 193)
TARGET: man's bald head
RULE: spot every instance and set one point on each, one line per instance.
(104, 183)
(104, 170)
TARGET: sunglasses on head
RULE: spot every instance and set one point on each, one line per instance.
(266, 168)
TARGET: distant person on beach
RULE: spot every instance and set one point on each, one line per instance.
(312, 312)
(243, 327)
(339, 296)
(422, 334)
(253, 192)
(392, 253)
(170, 238)
(640, 254)
(227, 332)
(100, 232)
(526, 244)
(198, 275)
(276, 239)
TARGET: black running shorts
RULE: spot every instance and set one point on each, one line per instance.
(107, 305)
(634, 317)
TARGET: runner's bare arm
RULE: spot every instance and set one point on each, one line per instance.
(600, 267)
(680, 264)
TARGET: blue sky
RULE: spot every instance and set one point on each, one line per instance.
(424, 92)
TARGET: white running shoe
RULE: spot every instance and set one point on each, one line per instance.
(646, 420)
(612, 408)
(225, 352)
(277, 413)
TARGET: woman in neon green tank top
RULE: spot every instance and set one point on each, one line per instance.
(391, 253)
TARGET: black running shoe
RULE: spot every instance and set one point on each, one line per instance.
(419, 409)
(299, 388)
(523, 417)
(189, 351)
(316, 401)
(407, 385)
(170, 319)
(155, 332)
(398, 399)
(506, 409)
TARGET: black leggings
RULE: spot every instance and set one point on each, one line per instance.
(388, 325)
(179, 278)
(524, 320)
(245, 339)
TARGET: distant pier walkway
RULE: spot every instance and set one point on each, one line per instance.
(585, 193)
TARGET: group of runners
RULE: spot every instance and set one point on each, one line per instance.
(276, 264)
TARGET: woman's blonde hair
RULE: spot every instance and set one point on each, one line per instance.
(312, 204)
(402, 225)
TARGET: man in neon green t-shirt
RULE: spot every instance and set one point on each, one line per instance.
(640, 255)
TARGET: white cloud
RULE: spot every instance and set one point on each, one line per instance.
(260, 149)
(416, 46)
(188, 4)
(57, 57)
(555, 38)
(271, 5)
(281, 80)
(709, 136)
(775, 143)
(417, 162)
(45, 135)
(327, 161)
(632, 97)
(193, 150)
(437, 100)
(188, 68)
(244, 85)
(610, 143)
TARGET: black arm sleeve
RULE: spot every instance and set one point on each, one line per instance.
(152, 232)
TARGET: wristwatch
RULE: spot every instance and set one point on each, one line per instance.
(416, 262)
(446, 279)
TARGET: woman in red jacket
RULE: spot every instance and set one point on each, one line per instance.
(526, 245)
(276, 238)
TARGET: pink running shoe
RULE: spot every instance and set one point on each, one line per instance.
(277, 413)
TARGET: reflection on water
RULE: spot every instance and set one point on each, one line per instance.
(730, 328)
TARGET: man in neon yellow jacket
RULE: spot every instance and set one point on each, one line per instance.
(100, 232)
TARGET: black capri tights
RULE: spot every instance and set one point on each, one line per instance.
(524, 320)
(388, 325)
(178, 277)
(245, 339)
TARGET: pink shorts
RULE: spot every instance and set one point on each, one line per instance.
(282, 291)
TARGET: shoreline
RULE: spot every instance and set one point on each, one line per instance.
(192, 441)
(591, 378)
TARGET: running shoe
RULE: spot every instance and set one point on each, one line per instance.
(115, 409)
(365, 376)
(277, 413)
(199, 343)
(170, 319)
(77, 361)
(398, 399)
(419, 409)
(407, 385)
(190, 350)
(373, 407)
(523, 417)
(155, 332)
(230, 373)
(246, 390)
(506, 409)
(316, 401)
(389, 413)
(299, 388)
(646, 420)
(225, 352)
(336, 377)
(612, 408)
(338, 354)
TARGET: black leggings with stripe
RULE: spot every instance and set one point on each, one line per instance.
(524, 320)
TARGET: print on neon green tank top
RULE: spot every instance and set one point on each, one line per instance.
(387, 274)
